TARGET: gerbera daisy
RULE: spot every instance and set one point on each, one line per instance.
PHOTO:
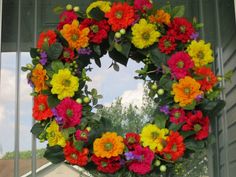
(41, 111)
(120, 16)
(38, 77)
(186, 91)
(64, 84)
(82, 135)
(75, 37)
(160, 17)
(49, 37)
(144, 34)
(200, 53)
(109, 145)
(66, 17)
(179, 64)
(142, 5)
(167, 44)
(131, 140)
(177, 115)
(153, 137)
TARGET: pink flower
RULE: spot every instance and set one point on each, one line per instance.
(70, 111)
(142, 4)
(143, 165)
(66, 17)
(177, 115)
(179, 64)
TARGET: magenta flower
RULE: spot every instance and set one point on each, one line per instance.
(177, 115)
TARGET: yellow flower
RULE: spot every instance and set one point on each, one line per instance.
(54, 136)
(64, 84)
(186, 91)
(144, 34)
(109, 145)
(153, 137)
(103, 5)
(39, 76)
(75, 37)
(200, 53)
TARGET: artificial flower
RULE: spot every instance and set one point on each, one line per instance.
(70, 111)
(131, 140)
(98, 30)
(82, 135)
(179, 64)
(142, 5)
(75, 157)
(200, 52)
(175, 147)
(197, 122)
(177, 115)
(64, 84)
(104, 6)
(167, 44)
(120, 16)
(143, 165)
(84, 51)
(43, 58)
(107, 165)
(39, 76)
(144, 34)
(109, 145)
(153, 137)
(160, 17)
(206, 78)
(77, 38)
(41, 110)
(165, 109)
(66, 17)
(186, 91)
(46, 38)
(181, 29)
(68, 55)
(54, 135)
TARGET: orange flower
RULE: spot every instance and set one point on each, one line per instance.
(38, 78)
(186, 91)
(76, 37)
(160, 17)
(109, 145)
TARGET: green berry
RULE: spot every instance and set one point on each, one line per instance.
(29, 66)
(69, 7)
(79, 100)
(154, 86)
(86, 99)
(160, 91)
(76, 9)
(163, 168)
(117, 35)
(219, 78)
(122, 31)
(88, 129)
(157, 163)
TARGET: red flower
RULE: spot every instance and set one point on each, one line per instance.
(131, 140)
(177, 115)
(143, 165)
(70, 111)
(68, 55)
(98, 30)
(196, 122)
(120, 16)
(175, 147)
(181, 29)
(106, 165)
(49, 37)
(66, 17)
(41, 111)
(142, 5)
(82, 135)
(179, 64)
(207, 78)
(167, 44)
(75, 157)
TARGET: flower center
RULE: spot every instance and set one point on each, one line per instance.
(108, 146)
(200, 55)
(154, 135)
(66, 83)
(69, 113)
(104, 164)
(119, 14)
(208, 79)
(174, 148)
(42, 107)
(52, 134)
(182, 29)
(83, 135)
(66, 54)
(187, 90)
(146, 36)
(74, 156)
(197, 127)
(167, 44)
(180, 64)
(94, 28)
(74, 37)
(131, 140)
(177, 115)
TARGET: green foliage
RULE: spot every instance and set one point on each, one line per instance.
(54, 51)
(54, 154)
(37, 129)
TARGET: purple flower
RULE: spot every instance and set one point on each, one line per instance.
(59, 119)
(85, 51)
(165, 109)
(129, 156)
(199, 98)
(30, 83)
(43, 58)
(194, 36)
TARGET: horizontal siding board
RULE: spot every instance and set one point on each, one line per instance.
(231, 115)
(231, 133)
(231, 97)
(229, 48)
(232, 169)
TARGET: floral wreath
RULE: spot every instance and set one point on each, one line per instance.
(176, 70)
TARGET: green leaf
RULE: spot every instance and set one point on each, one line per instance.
(167, 8)
(97, 49)
(194, 145)
(118, 47)
(37, 129)
(116, 67)
(178, 11)
(34, 53)
(191, 106)
(212, 108)
(23, 68)
(175, 127)
(53, 101)
(57, 65)
(156, 56)
(118, 57)
(166, 82)
(54, 51)
(160, 120)
(187, 134)
(67, 132)
(58, 10)
(97, 14)
(98, 62)
(54, 154)
(78, 145)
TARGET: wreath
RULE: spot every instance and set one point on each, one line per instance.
(177, 71)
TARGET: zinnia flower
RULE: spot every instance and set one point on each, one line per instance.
(48, 37)
(109, 145)
(181, 29)
(131, 140)
(207, 78)
(142, 166)
(70, 111)
(75, 157)
(82, 135)
(179, 64)
(107, 165)
(197, 122)
(200, 53)
(177, 115)
(39, 76)
(41, 111)
(66, 17)
(75, 37)
(98, 30)
(120, 16)
(68, 55)
(160, 17)
(142, 5)
(54, 136)
(64, 84)
(167, 44)
(144, 34)
(186, 91)
(104, 6)
(153, 137)
(175, 147)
